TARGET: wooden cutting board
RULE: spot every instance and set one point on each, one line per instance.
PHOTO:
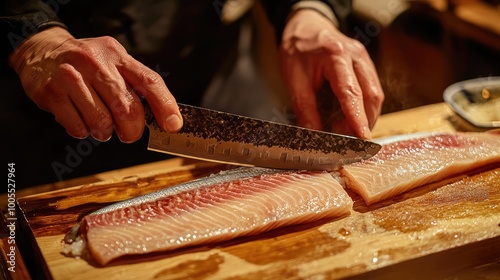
(433, 231)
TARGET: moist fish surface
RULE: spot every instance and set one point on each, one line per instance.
(234, 203)
(407, 164)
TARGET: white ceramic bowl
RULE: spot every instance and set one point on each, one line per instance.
(477, 101)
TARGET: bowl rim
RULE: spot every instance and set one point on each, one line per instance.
(455, 88)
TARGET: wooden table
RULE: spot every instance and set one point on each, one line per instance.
(227, 258)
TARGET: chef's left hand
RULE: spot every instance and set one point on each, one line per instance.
(313, 51)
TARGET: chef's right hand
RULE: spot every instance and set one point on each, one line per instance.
(92, 85)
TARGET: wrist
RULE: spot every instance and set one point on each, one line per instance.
(305, 24)
(36, 46)
(316, 6)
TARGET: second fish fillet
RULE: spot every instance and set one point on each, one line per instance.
(256, 202)
(407, 164)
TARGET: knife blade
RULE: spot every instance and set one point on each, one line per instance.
(228, 138)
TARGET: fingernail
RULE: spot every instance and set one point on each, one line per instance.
(122, 137)
(82, 134)
(173, 122)
(99, 136)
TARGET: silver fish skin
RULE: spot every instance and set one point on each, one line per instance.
(221, 177)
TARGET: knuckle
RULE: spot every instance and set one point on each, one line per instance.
(358, 49)
(51, 97)
(290, 48)
(358, 45)
(101, 120)
(111, 43)
(125, 110)
(149, 78)
(330, 43)
(82, 52)
(93, 51)
(339, 47)
(67, 71)
(351, 86)
(355, 92)
(105, 122)
(352, 93)
(377, 98)
(57, 98)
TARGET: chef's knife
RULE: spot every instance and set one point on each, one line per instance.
(223, 137)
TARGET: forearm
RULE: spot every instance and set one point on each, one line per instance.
(20, 19)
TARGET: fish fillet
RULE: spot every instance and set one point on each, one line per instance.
(239, 202)
(407, 164)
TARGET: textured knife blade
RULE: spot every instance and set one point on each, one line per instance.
(223, 137)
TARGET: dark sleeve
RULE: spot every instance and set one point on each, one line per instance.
(20, 19)
(278, 10)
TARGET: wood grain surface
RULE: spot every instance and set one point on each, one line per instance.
(440, 231)
(443, 227)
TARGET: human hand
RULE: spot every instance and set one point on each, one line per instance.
(313, 51)
(92, 85)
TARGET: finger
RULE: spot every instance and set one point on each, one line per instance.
(67, 115)
(304, 104)
(151, 86)
(373, 95)
(302, 93)
(494, 131)
(89, 105)
(342, 127)
(126, 129)
(343, 81)
(123, 104)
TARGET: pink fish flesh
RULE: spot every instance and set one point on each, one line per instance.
(234, 203)
(407, 164)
